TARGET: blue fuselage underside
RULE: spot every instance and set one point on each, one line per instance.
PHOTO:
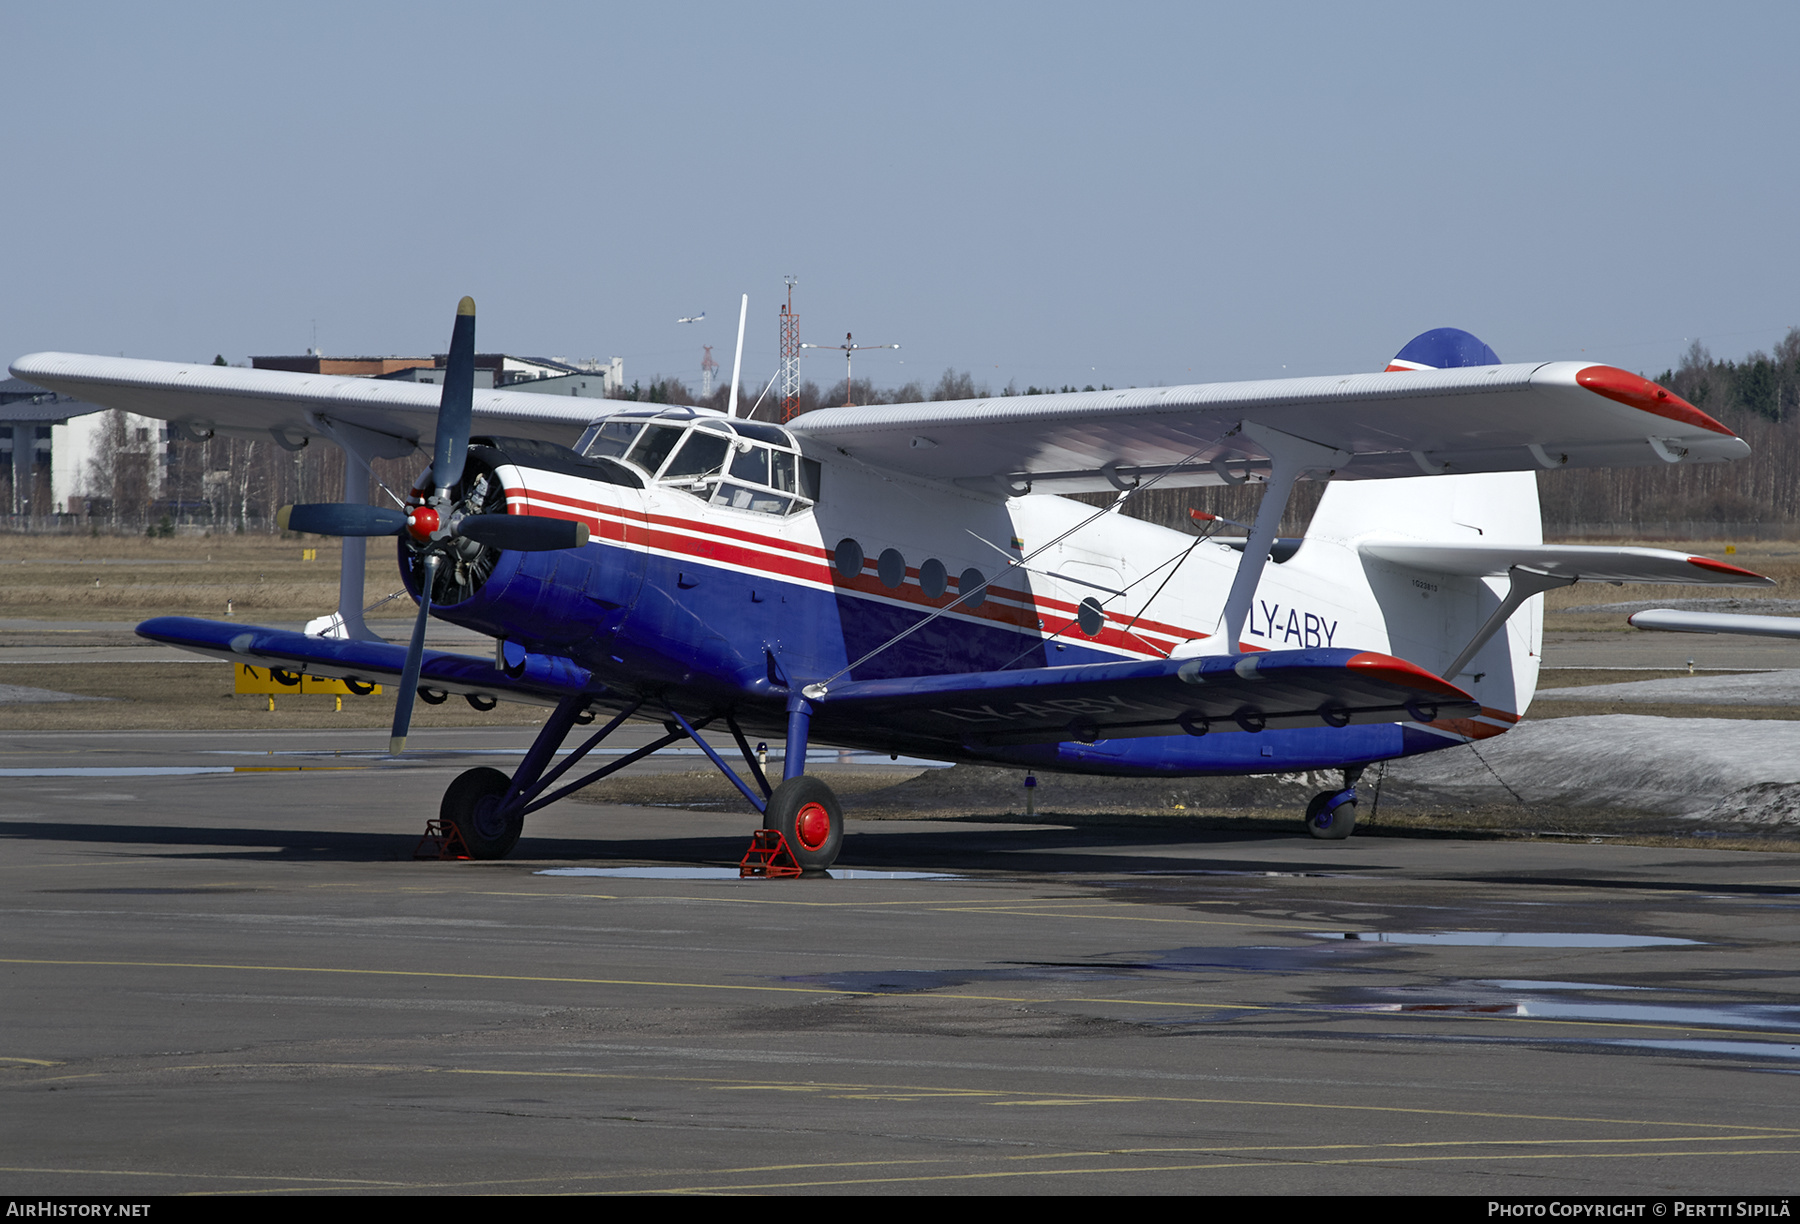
(705, 638)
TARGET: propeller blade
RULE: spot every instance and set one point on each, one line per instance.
(523, 532)
(341, 519)
(457, 405)
(415, 657)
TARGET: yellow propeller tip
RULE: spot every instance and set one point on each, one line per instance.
(466, 306)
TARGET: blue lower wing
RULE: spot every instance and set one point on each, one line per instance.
(1272, 690)
(543, 680)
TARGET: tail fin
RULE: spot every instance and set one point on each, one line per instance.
(1443, 348)
(1430, 617)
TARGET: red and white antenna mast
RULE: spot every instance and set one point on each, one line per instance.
(790, 355)
(708, 367)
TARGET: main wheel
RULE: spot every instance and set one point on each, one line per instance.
(1331, 815)
(472, 804)
(809, 819)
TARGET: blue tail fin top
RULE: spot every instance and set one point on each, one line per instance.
(1443, 348)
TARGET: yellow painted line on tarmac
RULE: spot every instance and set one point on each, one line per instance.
(1015, 909)
(321, 1183)
(1400, 1152)
(1737, 1131)
(33, 1062)
(1272, 1009)
(939, 1178)
(427, 973)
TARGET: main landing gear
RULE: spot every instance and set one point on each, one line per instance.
(1332, 814)
(489, 809)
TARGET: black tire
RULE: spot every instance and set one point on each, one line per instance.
(472, 804)
(1334, 825)
(809, 819)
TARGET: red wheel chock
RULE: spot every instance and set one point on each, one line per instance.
(768, 857)
(444, 842)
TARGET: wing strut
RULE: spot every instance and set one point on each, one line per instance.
(1290, 458)
(1525, 584)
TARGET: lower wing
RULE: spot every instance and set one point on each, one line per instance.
(1269, 689)
(543, 680)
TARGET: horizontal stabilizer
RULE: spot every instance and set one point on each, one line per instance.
(1718, 622)
(545, 680)
(1271, 689)
(1575, 562)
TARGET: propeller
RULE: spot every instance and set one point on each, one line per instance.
(434, 523)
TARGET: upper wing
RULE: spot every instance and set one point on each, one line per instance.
(1718, 622)
(295, 407)
(545, 680)
(1286, 688)
(1473, 419)
(1576, 561)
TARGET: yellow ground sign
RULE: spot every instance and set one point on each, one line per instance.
(275, 680)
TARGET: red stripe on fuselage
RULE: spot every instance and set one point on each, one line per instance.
(781, 558)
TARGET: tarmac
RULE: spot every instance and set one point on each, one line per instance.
(225, 972)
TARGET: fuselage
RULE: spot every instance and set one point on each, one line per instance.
(754, 567)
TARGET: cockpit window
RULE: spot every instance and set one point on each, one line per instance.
(746, 465)
(703, 454)
(609, 439)
(653, 446)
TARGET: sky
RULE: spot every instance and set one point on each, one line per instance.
(1044, 193)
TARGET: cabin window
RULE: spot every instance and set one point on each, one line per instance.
(752, 464)
(760, 500)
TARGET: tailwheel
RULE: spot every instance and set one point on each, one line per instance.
(472, 804)
(1332, 814)
(809, 819)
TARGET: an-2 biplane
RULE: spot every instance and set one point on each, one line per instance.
(907, 579)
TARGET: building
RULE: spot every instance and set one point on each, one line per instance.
(546, 375)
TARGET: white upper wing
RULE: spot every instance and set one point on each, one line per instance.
(394, 416)
(1474, 419)
(1584, 563)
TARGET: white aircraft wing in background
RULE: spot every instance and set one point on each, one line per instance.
(1718, 622)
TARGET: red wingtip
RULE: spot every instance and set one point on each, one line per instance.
(1644, 395)
(1721, 567)
(1399, 671)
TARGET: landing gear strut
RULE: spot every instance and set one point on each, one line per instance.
(489, 809)
(1332, 814)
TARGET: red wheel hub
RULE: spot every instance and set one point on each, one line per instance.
(812, 825)
(421, 523)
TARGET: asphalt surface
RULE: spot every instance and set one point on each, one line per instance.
(224, 972)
